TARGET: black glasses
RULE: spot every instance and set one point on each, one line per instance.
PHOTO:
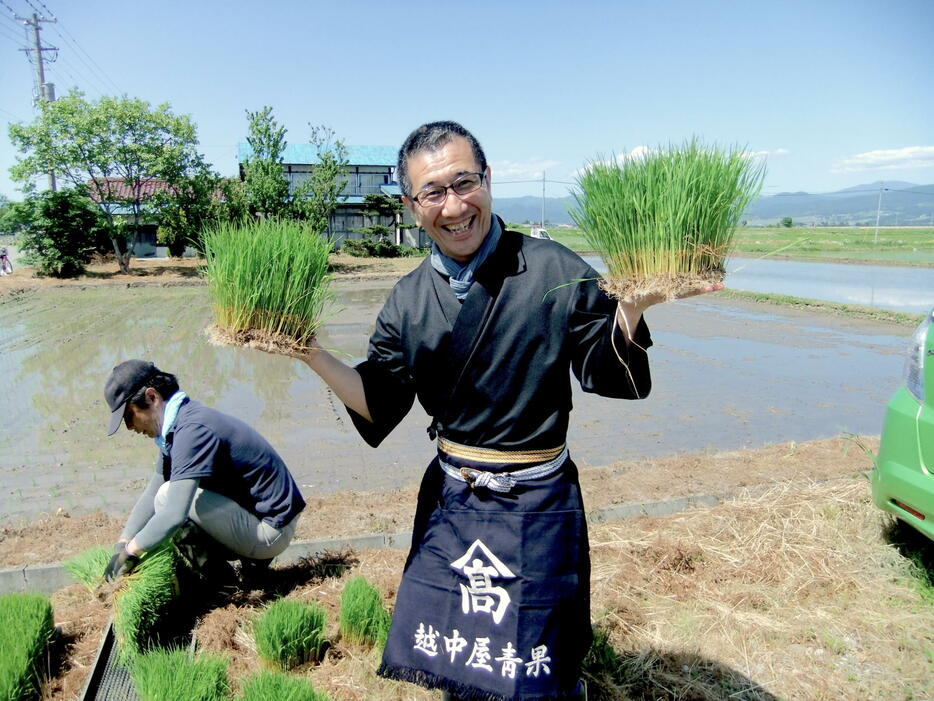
(436, 194)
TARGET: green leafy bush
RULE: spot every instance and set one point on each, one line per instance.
(63, 229)
(268, 282)
(267, 686)
(363, 619)
(26, 626)
(375, 248)
(664, 221)
(172, 675)
(289, 633)
(87, 567)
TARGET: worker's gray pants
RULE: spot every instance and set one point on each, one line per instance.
(240, 531)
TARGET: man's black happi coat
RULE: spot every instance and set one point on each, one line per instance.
(494, 601)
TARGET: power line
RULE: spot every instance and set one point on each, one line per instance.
(14, 116)
(66, 35)
(12, 37)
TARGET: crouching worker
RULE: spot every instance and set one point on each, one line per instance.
(210, 468)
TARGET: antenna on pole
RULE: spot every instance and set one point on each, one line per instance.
(45, 91)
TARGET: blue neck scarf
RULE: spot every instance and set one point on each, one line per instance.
(460, 275)
(168, 419)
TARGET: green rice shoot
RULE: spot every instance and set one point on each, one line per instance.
(141, 598)
(26, 626)
(664, 222)
(87, 568)
(268, 282)
(289, 633)
(363, 620)
(173, 675)
(267, 685)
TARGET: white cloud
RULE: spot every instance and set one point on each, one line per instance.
(637, 153)
(887, 159)
(768, 154)
(529, 170)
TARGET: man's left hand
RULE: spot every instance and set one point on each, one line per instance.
(120, 564)
(628, 313)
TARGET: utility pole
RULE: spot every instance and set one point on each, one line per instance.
(878, 212)
(543, 199)
(46, 91)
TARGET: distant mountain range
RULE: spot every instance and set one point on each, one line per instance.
(903, 204)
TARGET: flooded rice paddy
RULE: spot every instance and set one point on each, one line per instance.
(726, 375)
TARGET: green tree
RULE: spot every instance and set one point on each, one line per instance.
(62, 232)
(316, 199)
(264, 183)
(188, 206)
(14, 217)
(114, 146)
(378, 208)
(786, 222)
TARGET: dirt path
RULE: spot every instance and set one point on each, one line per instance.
(352, 513)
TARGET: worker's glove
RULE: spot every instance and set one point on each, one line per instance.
(121, 563)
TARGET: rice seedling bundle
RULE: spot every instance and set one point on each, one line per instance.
(289, 633)
(26, 626)
(268, 282)
(141, 599)
(363, 619)
(87, 568)
(267, 685)
(173, 675)
(663, 222)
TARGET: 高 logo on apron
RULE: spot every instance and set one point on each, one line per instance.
(480, 566)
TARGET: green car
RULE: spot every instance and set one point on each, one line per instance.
(903, 478)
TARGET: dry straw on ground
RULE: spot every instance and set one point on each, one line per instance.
(790, 592)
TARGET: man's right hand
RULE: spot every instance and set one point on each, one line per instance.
(121, 563)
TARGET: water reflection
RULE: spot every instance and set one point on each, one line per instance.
(896, 288)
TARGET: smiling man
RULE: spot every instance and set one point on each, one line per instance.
(495, 596)
(210, 468)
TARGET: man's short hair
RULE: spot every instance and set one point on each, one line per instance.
(164, 383)
(431, 137)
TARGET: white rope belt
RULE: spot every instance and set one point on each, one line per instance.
(503, 481)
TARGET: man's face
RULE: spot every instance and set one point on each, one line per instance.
(147, 421)
(459, 224)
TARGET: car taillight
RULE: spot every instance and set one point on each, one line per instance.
(914, 363)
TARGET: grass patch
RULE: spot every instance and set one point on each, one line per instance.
(664, 222)
(26, 626)
(268, 283)
(172, 675)
(267, 686)
(363, 619)
(289, 633)
(851, 310)
(87, 568)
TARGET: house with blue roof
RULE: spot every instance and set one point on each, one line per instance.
(370, 170)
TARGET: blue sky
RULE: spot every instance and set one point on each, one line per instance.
(834, 94)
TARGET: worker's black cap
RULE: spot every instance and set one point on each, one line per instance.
(125, 381)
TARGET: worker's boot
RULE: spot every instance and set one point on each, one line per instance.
(254, 573)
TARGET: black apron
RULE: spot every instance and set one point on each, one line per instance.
(494, 601)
